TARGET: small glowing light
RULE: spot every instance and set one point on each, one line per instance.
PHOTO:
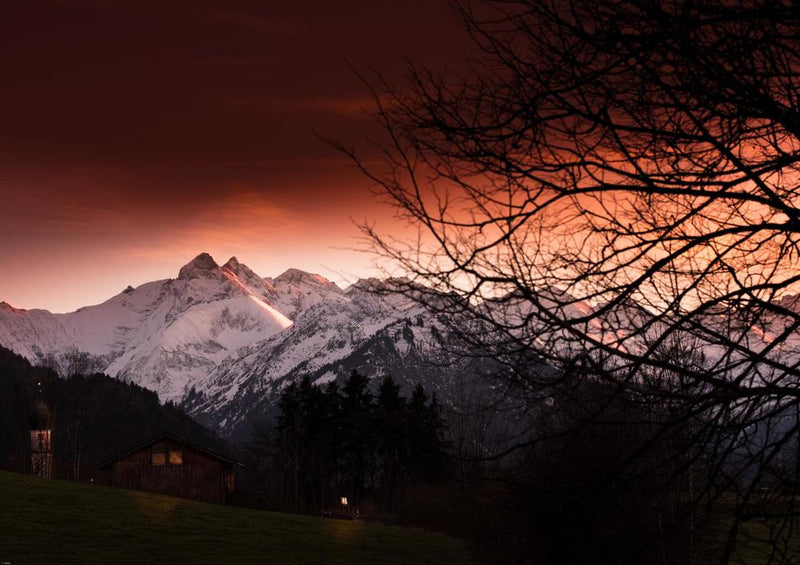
(344, 501)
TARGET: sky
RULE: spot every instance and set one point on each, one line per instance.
(135, 135)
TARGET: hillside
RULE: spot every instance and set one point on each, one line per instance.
(48, 521)
(94, 417)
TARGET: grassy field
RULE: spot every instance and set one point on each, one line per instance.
(768, 542)
(48, 521)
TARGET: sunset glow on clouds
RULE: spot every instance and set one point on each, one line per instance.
(76, 252)
(138, 134)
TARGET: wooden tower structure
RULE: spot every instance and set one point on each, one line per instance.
(41, 437)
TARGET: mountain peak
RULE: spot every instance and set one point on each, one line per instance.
(6, 306)
(295, 276)
(389, 285)
(200, 266)
(232, 264)
(240, 270)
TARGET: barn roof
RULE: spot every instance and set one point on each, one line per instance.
(182, 441)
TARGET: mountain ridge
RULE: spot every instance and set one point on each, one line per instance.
(220, 339)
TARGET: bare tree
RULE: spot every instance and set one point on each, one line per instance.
(609, 179)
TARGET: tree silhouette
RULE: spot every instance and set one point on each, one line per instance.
(358, 437)
(392, 441)
(618, 182)
(333, 444)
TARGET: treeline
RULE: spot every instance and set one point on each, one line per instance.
(93, 418)
(589, 474)
(348, 442)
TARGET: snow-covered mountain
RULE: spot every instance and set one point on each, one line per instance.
(335, 333)
(223, 341)
(165, 335)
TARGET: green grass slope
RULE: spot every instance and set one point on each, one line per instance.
(48, 521)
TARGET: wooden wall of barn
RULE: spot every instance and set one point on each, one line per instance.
(199, 477)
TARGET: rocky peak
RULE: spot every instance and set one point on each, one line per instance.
(201, 266)
(6, 306)
(245, 275)
(239, 269)
(296, 276)
(382, 286)
(233, 264)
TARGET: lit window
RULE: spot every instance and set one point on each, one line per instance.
(344, 501)
(159, 458)
(176, 458)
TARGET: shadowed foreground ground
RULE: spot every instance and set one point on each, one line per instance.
(48, 521)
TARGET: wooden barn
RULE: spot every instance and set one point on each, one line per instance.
(167, 464)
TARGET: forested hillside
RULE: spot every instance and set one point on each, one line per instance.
(93, 418)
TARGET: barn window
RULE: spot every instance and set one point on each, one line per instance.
(162, 458)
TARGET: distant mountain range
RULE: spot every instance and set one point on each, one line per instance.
(222, 341)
